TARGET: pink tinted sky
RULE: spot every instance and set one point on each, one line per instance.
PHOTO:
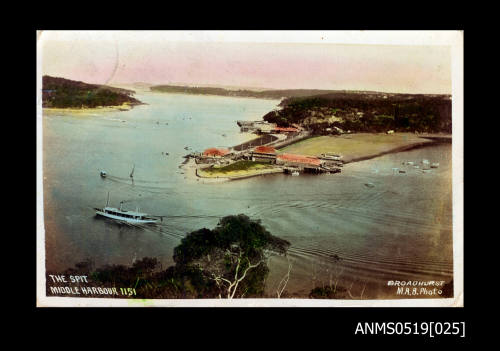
(389, 68)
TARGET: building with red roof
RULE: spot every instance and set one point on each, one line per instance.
(285, 130)
(265, 150)
(215, 152)
(264, 154)
(298, 161)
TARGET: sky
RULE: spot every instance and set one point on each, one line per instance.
(276, 60)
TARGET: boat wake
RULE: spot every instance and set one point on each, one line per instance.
(372, 267)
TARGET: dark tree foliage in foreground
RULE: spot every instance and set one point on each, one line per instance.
(233, 255)
(66, 93)
(327, 292)
(229, 261)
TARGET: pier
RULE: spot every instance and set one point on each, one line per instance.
(262, 140)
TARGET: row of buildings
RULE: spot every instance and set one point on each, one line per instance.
(268, 154)
(263, 127)
(321, 163)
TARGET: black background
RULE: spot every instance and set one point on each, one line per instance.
(222, 328)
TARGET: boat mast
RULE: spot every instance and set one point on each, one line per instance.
(132, 173)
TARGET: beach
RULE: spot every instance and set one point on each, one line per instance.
(73, 111)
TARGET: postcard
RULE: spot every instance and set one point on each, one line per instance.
(250, 168)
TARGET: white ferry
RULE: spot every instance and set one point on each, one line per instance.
(120, 214)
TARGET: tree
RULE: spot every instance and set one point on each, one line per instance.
(284, 281)
(234, 255)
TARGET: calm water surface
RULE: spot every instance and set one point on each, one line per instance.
(399, 229)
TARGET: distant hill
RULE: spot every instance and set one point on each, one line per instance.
(138, 85)
(66, 93)
(262, 94)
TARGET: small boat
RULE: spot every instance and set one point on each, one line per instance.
(103, 174)
(402, 171)
(122, 215)
(295, 173)
(435, 165)
(370, 185)
(426, 171)
(331, 156)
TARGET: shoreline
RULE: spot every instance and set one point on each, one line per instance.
(242, 174)
(357, 147)
(191, 171)
(192, 168)
(112, 108)
(393, 151)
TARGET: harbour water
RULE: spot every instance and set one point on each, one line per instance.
(398, 229)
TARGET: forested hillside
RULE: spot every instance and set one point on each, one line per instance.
(66, 93)
(366, 112)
